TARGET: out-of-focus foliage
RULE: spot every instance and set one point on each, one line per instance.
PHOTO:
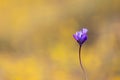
(36, 40)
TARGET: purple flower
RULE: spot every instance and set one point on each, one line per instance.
(81, 36)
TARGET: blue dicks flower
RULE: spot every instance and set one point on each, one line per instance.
(81, 36)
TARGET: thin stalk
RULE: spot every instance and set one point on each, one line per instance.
(81, 65)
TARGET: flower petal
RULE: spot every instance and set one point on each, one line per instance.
(75, 37)
(79, 34)
(84, 30)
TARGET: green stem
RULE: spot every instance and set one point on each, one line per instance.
(81, 65)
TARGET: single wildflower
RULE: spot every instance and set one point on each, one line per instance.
(81, 37)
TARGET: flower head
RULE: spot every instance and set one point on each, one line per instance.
(81, 36)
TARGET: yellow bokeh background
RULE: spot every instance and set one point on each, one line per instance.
(36, 41)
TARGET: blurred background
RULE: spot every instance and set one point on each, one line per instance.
(36, 41)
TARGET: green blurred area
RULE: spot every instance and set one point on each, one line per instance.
(36, 40)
